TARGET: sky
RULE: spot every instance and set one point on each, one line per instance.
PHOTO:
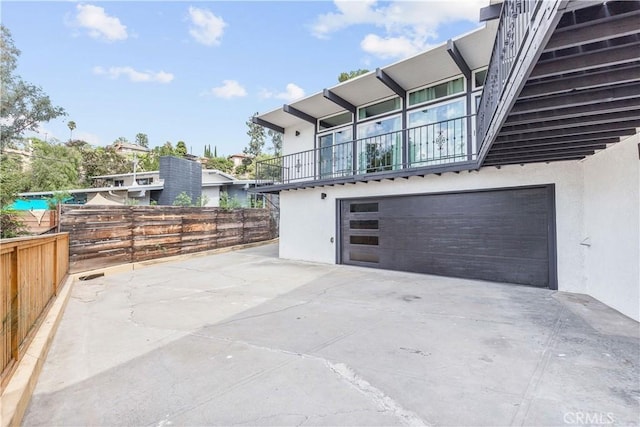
(197, 71)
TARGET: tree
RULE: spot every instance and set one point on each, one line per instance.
(256, 138)
(12, 179)
(182, 199)
(71, 125)
(220, 163)
(121, 140)
(207, 151)
(142, 140)
(276, 142)
(343, 77)
(23, 105)
(54, 167)
(103, 161)
(181, 149)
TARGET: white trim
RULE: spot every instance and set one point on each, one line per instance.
(454, 95)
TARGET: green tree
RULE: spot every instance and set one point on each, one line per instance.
(54, 167)
(182, 199)
(142, 140)
(23, 105)
(103, 161)
(276, 142)
(12, 179)
(256, 138)
(207, 151)
(343, 77)
(181, 149)
(71, 125)
(121, 140)
(220, 163)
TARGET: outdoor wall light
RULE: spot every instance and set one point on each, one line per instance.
(323, 196)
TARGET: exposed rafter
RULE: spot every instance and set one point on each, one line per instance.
(627, 124)
(616, 26)
(578, 111)
(569, 123)
(299, 114)
(457, 57)
(580, 81)
(339, 101)
(390, 83)
(581, 97)
(587, 61)
(490, 12)
(267, 124)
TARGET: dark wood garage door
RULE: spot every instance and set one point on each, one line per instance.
(503, 235)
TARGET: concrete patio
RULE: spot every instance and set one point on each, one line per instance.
(245, 338)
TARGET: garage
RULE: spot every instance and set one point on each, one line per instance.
(503, 235)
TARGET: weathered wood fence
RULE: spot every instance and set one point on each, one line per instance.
(102, 236)
(32, 270)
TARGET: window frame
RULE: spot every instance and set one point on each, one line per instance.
(436, 100)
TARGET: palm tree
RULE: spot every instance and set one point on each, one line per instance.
(72, 126)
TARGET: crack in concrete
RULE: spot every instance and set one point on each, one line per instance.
(520, 416)
(382, 401)
(385, 403)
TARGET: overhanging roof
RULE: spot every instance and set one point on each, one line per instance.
(420, 70)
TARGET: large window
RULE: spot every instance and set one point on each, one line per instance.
(380, 145)
(437, 134)
(336, 153)
(438, 91)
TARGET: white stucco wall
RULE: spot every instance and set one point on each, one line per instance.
(612, 226)
(307, 223)
(292, 143)
(213, 196)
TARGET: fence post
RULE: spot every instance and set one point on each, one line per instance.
(56, 242)
(14, 304)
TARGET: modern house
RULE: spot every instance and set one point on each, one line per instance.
(161, 187)
(509, 154)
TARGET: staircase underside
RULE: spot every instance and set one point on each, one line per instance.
(583, 93)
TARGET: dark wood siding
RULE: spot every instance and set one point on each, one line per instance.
(504, 235)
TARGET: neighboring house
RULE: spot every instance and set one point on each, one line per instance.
(238, 159)
(508, 154)
(161, 187)
(128, 148)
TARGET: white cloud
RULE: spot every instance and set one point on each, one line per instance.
(406, 27)
(392, 47)
(134, 75)
(99, 24)
(206, 27)
(291, 93)
(229, 89)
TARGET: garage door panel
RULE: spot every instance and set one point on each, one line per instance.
(501, 235)
(499, 269)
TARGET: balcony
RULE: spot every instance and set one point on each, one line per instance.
(432, 148)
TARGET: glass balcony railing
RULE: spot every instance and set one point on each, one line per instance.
(425, 146)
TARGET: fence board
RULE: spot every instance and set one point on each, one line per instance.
(33, 268)
(108, 235)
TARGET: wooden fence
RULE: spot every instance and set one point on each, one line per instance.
(102, 236)
(32, 270)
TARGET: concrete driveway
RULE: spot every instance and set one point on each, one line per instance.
(244, 338)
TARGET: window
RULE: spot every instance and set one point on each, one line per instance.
(118, 183)
(380, 145)
(479, 77)
(334, 121)
(144, 181)
(438, 134)
(438, 91)
(336, 153)
(379, 108)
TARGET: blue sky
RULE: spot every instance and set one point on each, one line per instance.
(196, 71)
